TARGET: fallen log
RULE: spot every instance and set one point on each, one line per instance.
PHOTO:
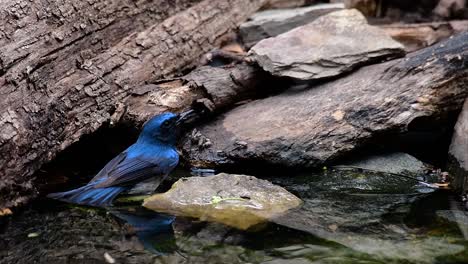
(63, 76)
(210, 88)
(313, 125)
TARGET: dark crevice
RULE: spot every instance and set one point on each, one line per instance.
(77, 164)
(427, 138)
(4, 68)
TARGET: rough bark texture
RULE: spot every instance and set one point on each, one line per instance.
(214, 88)
(66, 66)
(310, 126)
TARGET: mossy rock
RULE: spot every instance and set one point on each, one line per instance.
(239, 201)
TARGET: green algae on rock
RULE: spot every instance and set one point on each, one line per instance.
(239, 201)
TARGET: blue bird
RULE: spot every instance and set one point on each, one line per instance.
(153, 155)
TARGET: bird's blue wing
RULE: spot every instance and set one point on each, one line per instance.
(131, 170)
(119, 172)
(110, 166)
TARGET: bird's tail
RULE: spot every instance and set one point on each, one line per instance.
(88, 195)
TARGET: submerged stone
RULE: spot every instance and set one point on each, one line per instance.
(330, 45)
(240, 201)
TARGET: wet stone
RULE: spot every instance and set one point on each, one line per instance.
(236, 200)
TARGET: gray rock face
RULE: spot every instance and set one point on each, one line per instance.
(328, 46)
(459, 150)
(271, 23)
(397, 162)
(236, 200)
(305, 127)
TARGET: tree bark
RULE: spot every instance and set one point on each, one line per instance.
(210, 88)
(67, 66)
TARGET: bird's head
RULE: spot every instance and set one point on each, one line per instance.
(165, 127)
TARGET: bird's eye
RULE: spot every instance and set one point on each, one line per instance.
(166, 123)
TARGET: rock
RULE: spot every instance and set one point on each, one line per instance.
(271, 23)
(305, 127)
(145, 187)
(236, 200)
(328, 46)
(458, 152)
(396, 162)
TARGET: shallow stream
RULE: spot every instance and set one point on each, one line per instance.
(347, 217)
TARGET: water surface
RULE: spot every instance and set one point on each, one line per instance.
(347, 217)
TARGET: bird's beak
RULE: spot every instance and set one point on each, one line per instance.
(186, 117)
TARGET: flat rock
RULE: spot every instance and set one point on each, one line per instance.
(395, 162)
(308, 126)
(458, 152)
(330, 45)
(236, 200)
(271, 23)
